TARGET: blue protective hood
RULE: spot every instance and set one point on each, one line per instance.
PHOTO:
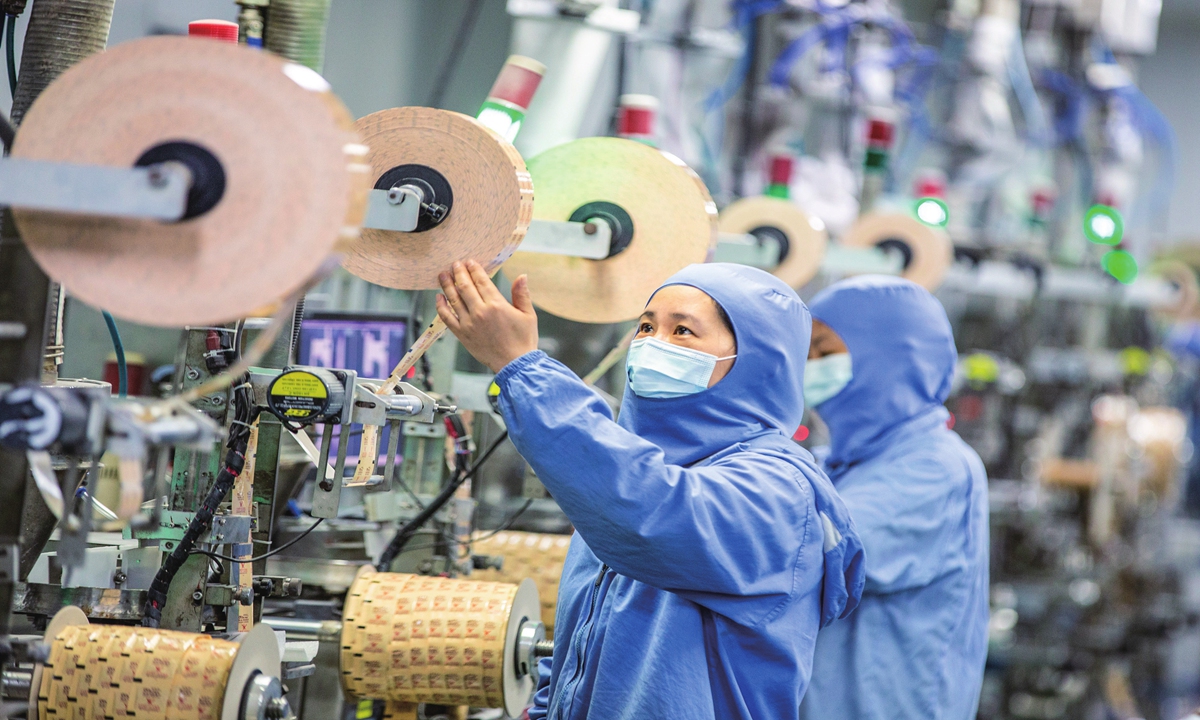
(902, 349)
(763, 392)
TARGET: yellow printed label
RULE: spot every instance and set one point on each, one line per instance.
(299, 384)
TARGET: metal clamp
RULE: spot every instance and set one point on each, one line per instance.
(529, 635)
(396, 209)
(591, 239)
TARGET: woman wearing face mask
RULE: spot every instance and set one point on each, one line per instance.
(709, 548)
(879, 369)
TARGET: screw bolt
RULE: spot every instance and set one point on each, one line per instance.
(277, 708)
(158, 178)
(197, 597)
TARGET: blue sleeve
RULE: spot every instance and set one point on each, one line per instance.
(913, 514)
(541, 697)
(727, 535)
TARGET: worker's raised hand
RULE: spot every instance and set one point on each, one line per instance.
(492, 329)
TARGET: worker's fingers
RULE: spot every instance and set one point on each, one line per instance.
(467, 292)
(446, 313)
(446, 280)
(522, 299)
(487, 289)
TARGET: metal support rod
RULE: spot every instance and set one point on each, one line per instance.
(749, 94)
(24, 304)
(321, 629)
(15, 683)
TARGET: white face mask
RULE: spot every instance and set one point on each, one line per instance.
(658, 369)
(826, 377)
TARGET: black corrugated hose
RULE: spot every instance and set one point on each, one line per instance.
(296, 30)
(60, 34)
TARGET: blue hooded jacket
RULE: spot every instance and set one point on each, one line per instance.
(709, 547)
(916, 646)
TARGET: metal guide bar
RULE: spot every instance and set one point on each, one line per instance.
(157, 192)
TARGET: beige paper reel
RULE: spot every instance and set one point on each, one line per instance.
(801, 239)
(927, 252)
(662, 216)
(413, 638)
(278, 178)
(538, 556)
(459, 163)
(1183, 277)
(110, 671)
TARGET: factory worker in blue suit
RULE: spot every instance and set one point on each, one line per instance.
(709, 547)
(879, 370)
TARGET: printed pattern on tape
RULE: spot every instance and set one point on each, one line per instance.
(425, 639)
(109, 671)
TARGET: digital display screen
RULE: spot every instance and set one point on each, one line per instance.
(369, 345)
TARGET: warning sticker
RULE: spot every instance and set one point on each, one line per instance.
(300, 395)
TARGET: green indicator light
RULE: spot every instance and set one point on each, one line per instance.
(1135, 360)
(777, 190)
(877, 159)
(1103, 224)
(932, 211)
(1120, 265)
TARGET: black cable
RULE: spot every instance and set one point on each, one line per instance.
(405, 533)
(451, 539)
(239, 437)
(9, 26)
(504, 525)
(450, 64)
(265, 555)
(10, 33)
(7, 132)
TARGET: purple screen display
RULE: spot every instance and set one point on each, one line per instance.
(369, 347)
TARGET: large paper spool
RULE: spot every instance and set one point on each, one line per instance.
(673, 219)
(928, 252)
(110, 671)
(491, 200)
(1183, 277)
(537, 556)
(802, 240)
(294, 178)
(413, 638)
